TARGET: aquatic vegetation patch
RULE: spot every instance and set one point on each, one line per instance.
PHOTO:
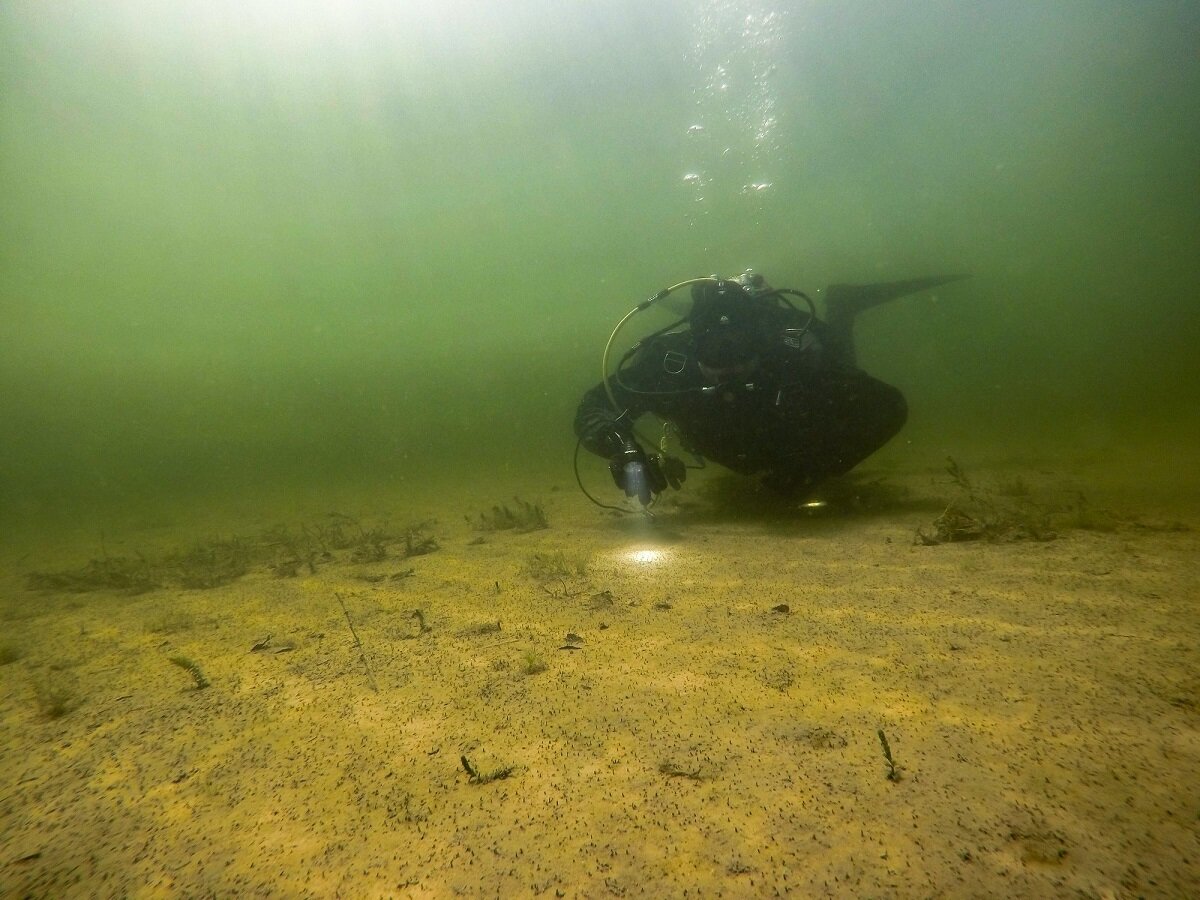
(1009, 509)
(533, 663)
(221, 561)
(288, 554)
(332, 534)
(212, 564)
(370, 546)
(520, 517)
(118, 574)
(556, 566)
(418, 542)
(1003, 512)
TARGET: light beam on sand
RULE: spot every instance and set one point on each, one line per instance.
(646, 556)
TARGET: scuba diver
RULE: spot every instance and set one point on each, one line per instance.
(748, 380)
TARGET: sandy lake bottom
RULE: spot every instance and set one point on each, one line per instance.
(432, 697)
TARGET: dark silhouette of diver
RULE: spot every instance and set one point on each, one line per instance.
(751, 381)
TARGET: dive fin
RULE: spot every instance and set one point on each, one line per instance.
(851, 299)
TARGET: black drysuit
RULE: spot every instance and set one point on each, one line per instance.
(804, 414)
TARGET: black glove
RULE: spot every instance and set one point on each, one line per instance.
(642, 476)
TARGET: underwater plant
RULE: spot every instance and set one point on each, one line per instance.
(193, 669)
(893, 773)
(477, 777)
(417, 542)
(213, 564)
(422, 625)
(502, 517)
(1004, 513)
(556, 566)
(287, 552)
(533, 663)
(370, 546)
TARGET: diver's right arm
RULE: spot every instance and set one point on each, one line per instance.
(600, 428)
(607, 433)
(604, 424)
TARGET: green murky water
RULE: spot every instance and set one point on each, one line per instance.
(293, 244)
